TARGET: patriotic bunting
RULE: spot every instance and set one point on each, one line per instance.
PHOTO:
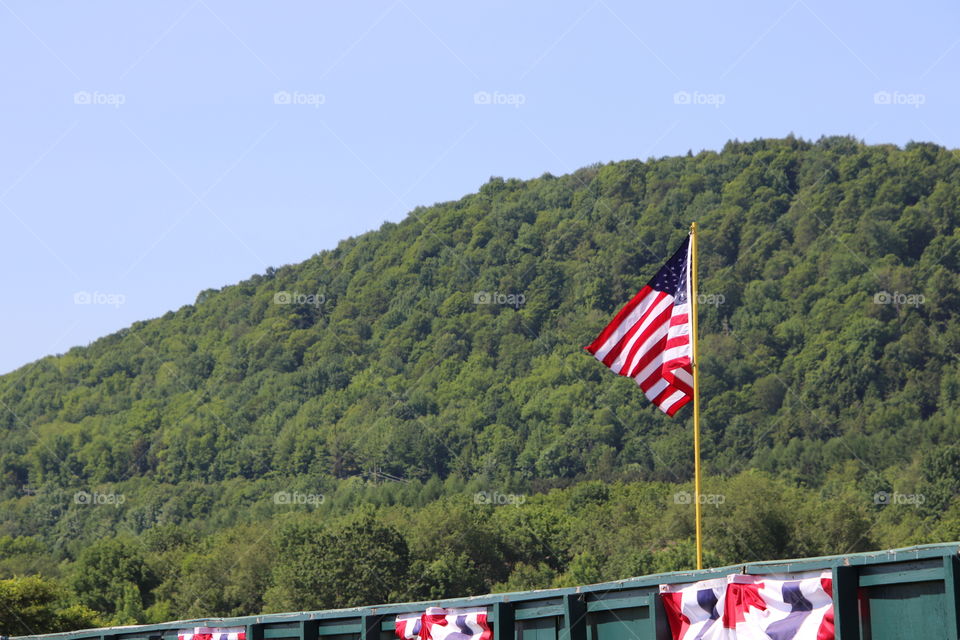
(445, 624)
(748, 607)
(213, 633)
(408, 626)
(694, 610)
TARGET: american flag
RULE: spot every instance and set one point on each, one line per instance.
(649, 338)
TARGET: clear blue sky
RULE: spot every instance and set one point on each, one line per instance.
(151, 150)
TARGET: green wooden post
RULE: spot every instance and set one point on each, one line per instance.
(574, 617)
(370, 627)
(846, 613)
(309, 629)
(254, 632)
(951, 591)
(503, 621)
(659, 626)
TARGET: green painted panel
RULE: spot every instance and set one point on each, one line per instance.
(350, 629)
(278, 631)
(341, 636)
(537, 629)
(608, 604)
(547, 611)
(920, 575)
(914, 610)
(634, 623)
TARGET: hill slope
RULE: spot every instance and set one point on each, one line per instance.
(446, 351)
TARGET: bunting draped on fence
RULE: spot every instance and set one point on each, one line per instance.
(408, 626)
(213, 633)
(747, 607)
(444, 624)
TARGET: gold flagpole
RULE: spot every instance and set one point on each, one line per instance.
(696, 390)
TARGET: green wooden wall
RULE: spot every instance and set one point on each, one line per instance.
(907, 594)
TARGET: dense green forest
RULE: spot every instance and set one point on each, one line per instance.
(412, 415)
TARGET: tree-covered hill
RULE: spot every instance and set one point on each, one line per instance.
(379, 386)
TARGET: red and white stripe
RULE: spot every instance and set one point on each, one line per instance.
(795, 606)
(649, 341)
(695, 611)
(456, 624)
(213, 633)
(408, 626)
